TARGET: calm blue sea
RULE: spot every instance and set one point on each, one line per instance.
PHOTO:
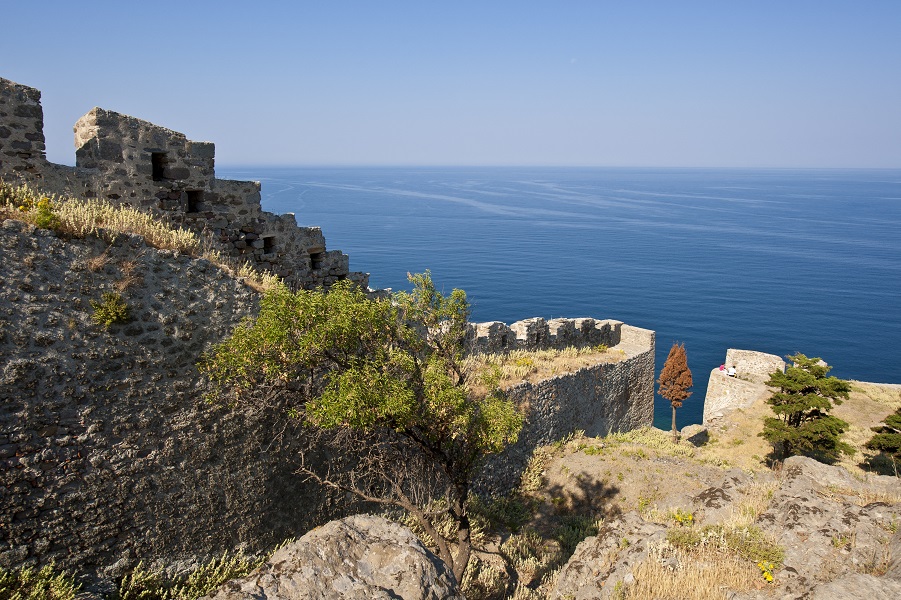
(772, 260)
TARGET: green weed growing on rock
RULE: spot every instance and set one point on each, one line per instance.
(143, 584)
(36, 584)
(111, 309)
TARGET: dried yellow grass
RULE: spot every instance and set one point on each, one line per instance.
(508, 369)
(99, 218)
(700, 575)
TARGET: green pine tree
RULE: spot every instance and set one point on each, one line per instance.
(802, 424)
(888, 436)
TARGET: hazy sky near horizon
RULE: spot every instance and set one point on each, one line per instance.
(807, 83)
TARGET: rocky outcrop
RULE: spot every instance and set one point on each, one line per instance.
(358, 557)
(604, 563)
(840, 536)
(858, 586)
(831, 525)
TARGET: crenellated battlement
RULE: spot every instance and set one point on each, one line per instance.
(129, 161)
(540, 334)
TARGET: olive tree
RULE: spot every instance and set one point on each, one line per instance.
(380, 383)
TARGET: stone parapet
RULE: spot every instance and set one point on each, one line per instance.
(22, 150)
(753, 366)
(128, 161)
(538, 334)
(726, 394)
(599, 399)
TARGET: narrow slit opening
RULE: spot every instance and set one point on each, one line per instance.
(195, 197)
(158, 163)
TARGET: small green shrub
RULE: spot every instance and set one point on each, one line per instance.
(111, 309)
(44, 217)
(681, 537)
(573, 529)
(142, 584)
(40, 584)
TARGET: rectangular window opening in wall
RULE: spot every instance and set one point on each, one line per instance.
(195, 197)
(316, 260)
(269, 244)
(158, 165)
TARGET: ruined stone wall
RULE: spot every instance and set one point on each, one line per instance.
(726, 394)
(125, 160)
(108, 453)
(538, 334)
(600, 399)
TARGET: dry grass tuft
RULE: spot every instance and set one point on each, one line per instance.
(99, 218)
(703, 574)
(99, 262)
(861, 496)
(651, 437)
(507, 369)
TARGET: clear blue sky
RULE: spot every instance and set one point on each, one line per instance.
(672, 83)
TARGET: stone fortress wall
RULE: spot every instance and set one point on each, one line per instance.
(600, 399)
(726, 394)
(125, 160)
(108, 453)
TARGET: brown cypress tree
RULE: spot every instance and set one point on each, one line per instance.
(675, 380)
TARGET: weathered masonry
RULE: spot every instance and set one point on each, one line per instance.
(129, 161)
(598, 399)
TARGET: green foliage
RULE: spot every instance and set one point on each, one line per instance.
(36, 584)
(111, 309)
(802, 424)
(573, 529)
(44, 217)
(357, 366)
(888, 436)
(142, 584)
(511, 511)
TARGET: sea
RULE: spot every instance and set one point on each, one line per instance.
(775, 260)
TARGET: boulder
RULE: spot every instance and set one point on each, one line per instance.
(603, 563)
(357, 557)
(697, 435)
